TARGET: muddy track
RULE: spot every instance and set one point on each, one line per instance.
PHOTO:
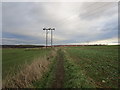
(59, 73)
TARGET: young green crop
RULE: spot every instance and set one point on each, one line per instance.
(100, 63)
(74, 76)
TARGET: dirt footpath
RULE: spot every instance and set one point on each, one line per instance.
(59, 74)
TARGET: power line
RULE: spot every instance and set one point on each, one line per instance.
(49, 29)
(94, 11)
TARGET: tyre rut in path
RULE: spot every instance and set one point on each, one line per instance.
(59, 73)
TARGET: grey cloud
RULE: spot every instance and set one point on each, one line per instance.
(94, 10)
(69, 19)
(12, 41)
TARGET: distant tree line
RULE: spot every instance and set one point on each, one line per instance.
(22, 46)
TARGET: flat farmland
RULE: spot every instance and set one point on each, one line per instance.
(62, 67)
(98, 66)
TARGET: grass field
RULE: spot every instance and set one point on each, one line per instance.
(70, 67)
(13, 58)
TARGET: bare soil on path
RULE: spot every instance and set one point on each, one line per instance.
(59, 73)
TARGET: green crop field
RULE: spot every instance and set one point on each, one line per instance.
(98, 65)
(12, 58)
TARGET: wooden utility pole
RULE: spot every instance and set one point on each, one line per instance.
(52, 37)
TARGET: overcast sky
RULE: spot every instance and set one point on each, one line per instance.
(75, 23)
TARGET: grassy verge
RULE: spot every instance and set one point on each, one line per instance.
(48, 77)
(29, 73)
